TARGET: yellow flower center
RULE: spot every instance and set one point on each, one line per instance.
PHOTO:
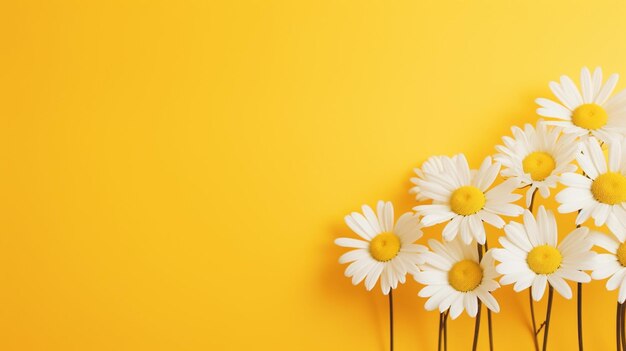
(544, 259)
(465, 275)
(590, 116)
(385, 246)
(621, 254)
(539, 165)
(467, 200)
(609, 188)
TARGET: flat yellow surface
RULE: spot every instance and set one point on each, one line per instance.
(173, 173)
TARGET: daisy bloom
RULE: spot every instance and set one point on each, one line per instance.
(601, 192)
(387, 251)
(530, 255)
(589, 111)
(611, 264)
(455, 279)
(465, 198)
(432, 167)
(536, 157)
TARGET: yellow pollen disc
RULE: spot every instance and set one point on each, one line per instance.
(609, 188)
(539, 165)
(465, 275)
(467, 200)
(621, 254)
(544, 259)
(590, 116)
(385, 246)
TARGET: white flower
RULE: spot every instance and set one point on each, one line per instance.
(388, 252)
(612, 264)
(600, 193)
(464, 198)
(530, 255)
(455, 279)
(589, 113)
(536, 157)
(431, 168)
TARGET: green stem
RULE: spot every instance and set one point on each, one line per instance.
(548, 312)
(391, 319)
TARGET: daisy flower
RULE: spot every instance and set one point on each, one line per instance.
(432, 167)
(536, 157)
(601, 192)
(611, 264)
(530, 255)
(455, 279)
(387, 251)
(589, 113)
(465, 198)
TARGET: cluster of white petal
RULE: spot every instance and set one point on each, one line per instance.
(456, 272)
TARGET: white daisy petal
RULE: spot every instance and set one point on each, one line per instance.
(587, 85)
(560, 286)
(539, 286)
(604, 241)
(355, 243)
(471, 304)
(616, 280)
(373, 275)
(352, 256)
(488, 300)
(622, 292)
(607, 89)
(365, 232)
(457, 306)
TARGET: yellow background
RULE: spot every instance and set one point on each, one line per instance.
(173, 173)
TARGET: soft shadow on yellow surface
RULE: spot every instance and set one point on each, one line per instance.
(173, 173)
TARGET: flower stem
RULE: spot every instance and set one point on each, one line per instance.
(391, 320)
(477, 325)
(445, 330)
(530, 294)
(532, 201)
(618, 329)
(622, 331)
(440, 331)
(532, 317)
(489, 324)
(579, 300)
(548, 312)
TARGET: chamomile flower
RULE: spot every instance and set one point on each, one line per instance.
(536, 157)
(387, 252)
(530, 255)
(590, 113)
(455, 279)
(465, 198)
(431, 168)
(611, 264)
(601, 192)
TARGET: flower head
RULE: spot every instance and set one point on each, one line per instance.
(387, 250)
(590, 113)
(466, 198)
(530, 255)
(611, 264)
(455, 278)
(601, 192)
(537, 157)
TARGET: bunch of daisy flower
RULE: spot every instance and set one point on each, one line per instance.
(459, 272)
